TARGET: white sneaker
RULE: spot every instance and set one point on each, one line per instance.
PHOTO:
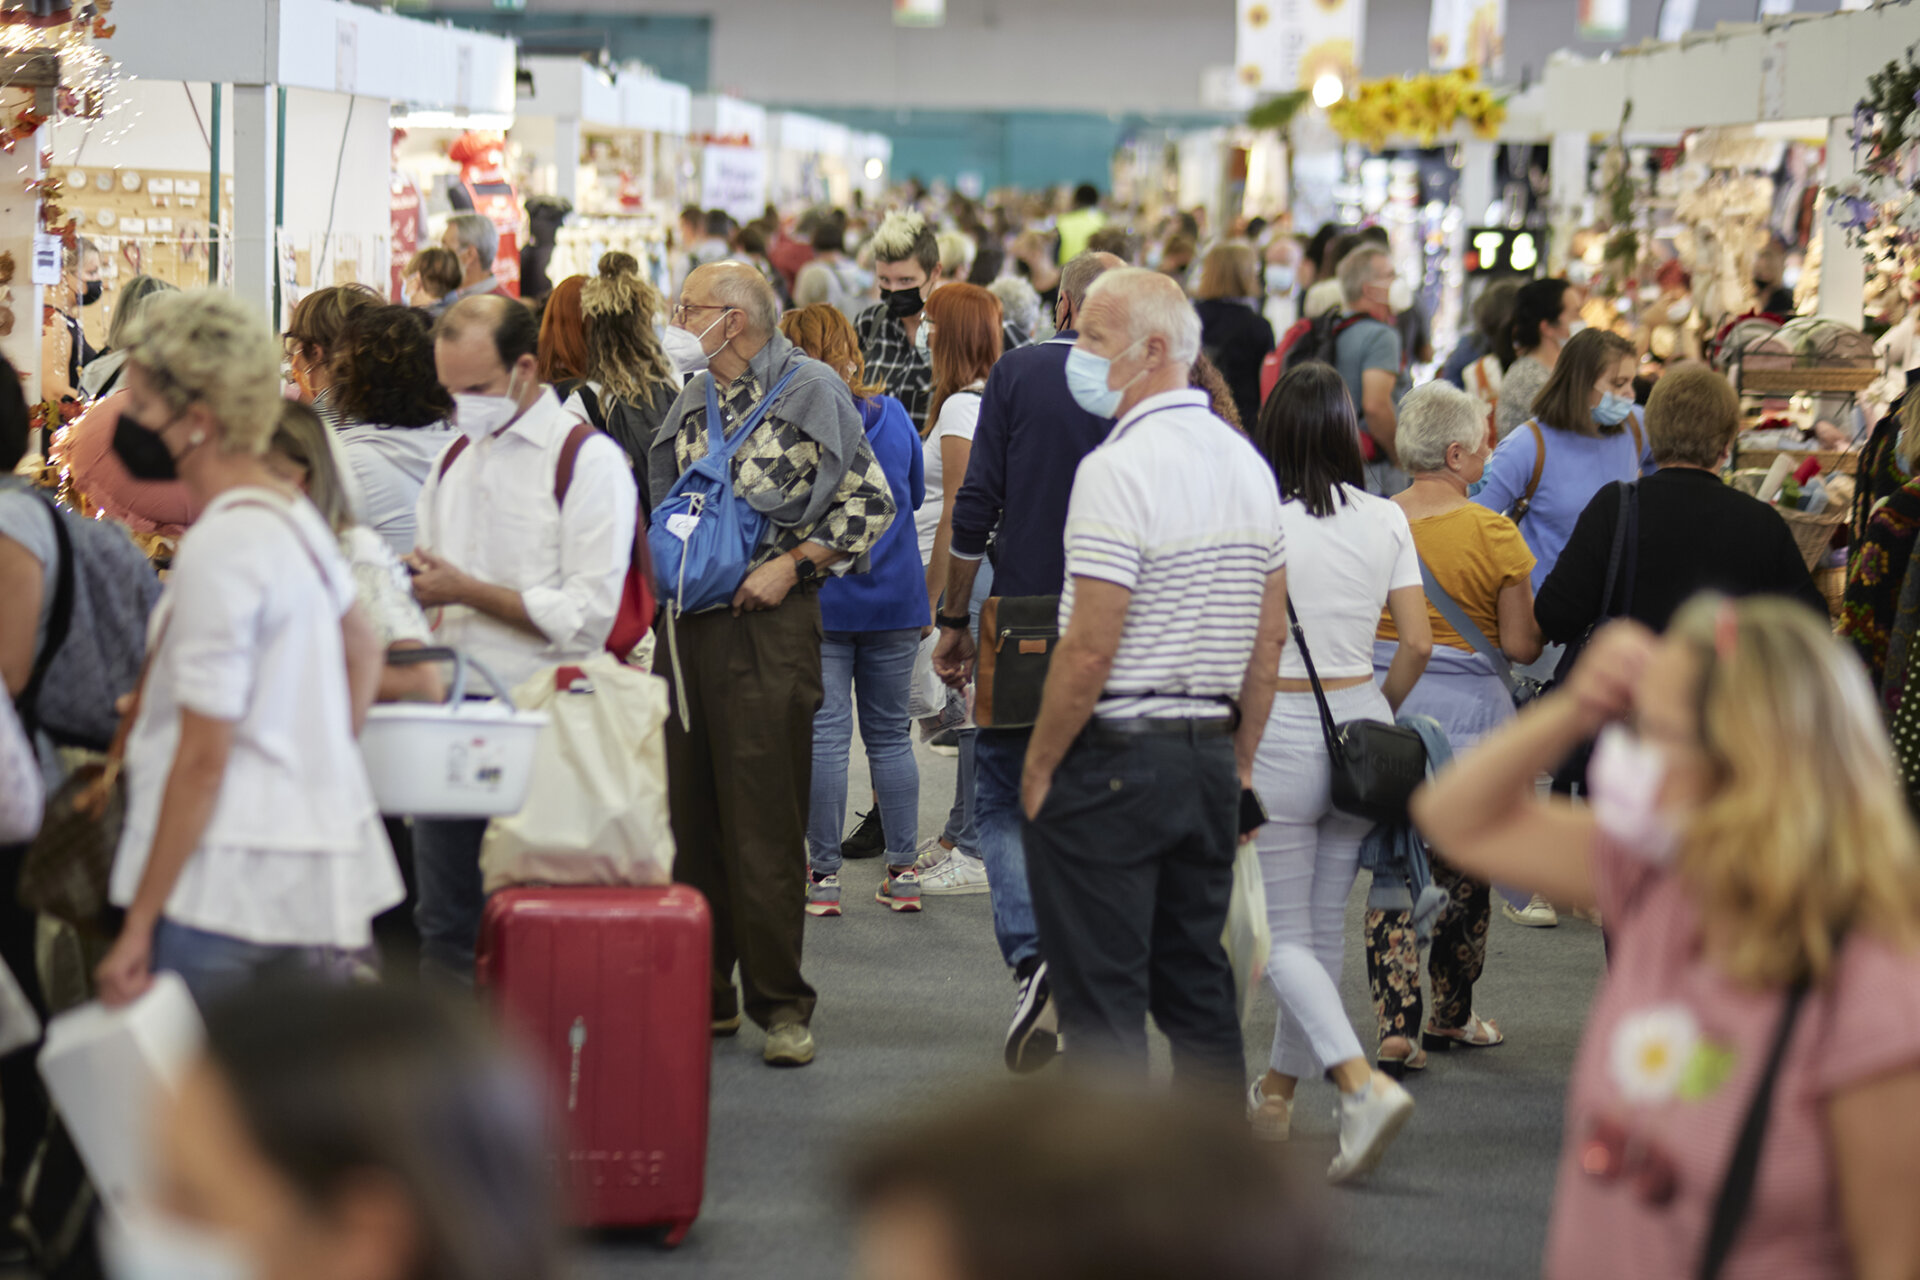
(1271, 1117)
(1537, 914)
(1369, 1122)
(954, 876)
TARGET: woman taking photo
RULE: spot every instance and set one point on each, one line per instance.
(395, 419)
(1233, 334)
(1349, 555)
(1749, 845)
(1479, 560)
(627, 383)
(872, 624)
(251, 836)
(965, 344)
(1583, 434)
(1546, 315)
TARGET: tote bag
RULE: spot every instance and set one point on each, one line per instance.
(596, 811)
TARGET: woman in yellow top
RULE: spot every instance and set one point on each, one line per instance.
(1477, 557)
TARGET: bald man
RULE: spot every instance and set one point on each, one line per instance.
(513, 580)
(746, 675)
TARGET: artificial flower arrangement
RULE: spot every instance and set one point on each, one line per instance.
(1886, 125)
(1422, 107)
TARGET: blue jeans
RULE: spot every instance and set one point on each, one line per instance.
(963, 829)
(446, 862)
(212, 964)
(999, 755)
(876, 667)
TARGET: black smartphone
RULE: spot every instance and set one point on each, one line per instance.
(1253, 814)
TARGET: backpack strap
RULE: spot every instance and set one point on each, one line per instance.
(595, 414)
(454, 450)
(569, 454)
(1525, 504)
(59, 618)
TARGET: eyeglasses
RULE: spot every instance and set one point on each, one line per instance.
(682, 309)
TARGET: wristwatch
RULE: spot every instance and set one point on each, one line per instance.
(952, 621)
(804, 569)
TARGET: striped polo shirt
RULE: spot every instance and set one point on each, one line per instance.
(1180, 509)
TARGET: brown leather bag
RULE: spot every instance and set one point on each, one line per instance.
(1017, 639)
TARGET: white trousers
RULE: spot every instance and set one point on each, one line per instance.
(1309, 857)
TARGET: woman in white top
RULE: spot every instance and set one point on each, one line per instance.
(1349, 555)
(964, 341)
(395, 419)
(251, 835)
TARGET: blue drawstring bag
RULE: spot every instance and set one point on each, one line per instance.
(702, 535)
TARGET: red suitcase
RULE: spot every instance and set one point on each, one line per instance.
(610, 988)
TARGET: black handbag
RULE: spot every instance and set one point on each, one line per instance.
(1375, 766)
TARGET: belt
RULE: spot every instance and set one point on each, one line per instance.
(1142, 726)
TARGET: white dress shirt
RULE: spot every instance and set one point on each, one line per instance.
(492, 516)
(248, 632)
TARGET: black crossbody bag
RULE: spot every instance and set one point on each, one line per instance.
(1375, 766)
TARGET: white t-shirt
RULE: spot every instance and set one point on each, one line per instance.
(1177, 507)
(1339, 571)
(959, 418)
(248, 631)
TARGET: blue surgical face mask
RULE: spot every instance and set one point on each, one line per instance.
(1279, 280)
(1612, 409)
(1087, 376)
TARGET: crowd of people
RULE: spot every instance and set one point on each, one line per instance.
(1242, 537)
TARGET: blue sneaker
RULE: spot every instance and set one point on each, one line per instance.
(900, 891)
(823, 895)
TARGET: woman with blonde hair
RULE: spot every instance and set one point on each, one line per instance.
(873, 623)
(251, 838)
(1748, 1089)
(1233, 333)
(627, 384)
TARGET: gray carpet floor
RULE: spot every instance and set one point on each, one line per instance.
(913, 1009)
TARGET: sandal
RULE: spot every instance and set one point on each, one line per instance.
(1397, 1065)
(1479, 1033)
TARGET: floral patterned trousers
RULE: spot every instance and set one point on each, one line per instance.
(1459, 954)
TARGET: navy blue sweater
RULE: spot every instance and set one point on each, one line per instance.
(1026, 449)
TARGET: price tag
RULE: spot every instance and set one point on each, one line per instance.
(46, 259)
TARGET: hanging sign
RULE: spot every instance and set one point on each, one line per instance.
(1603, 19)
(919, 13)
(1283, 45)
(734, 179)
(1467, 33)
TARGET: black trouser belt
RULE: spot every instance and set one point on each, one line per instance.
(1134, 726)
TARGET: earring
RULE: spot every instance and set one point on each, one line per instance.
(197, 439)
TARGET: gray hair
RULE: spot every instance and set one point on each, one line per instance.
(472, 231)
(1018, 301)
(1434, 416)
(1078, 276)
(128, 302)
(1356, 271)
(1155, 306)
(741, 286)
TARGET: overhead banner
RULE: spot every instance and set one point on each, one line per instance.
(1284, 45)
(1603, 20)
(734, 179)
(1467, 33)
(919, 13)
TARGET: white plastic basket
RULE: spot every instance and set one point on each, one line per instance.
(456, 759)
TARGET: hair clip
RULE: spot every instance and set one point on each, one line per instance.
(1726, 630)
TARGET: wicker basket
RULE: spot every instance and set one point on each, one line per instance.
(1833, 585)
(1813, 534)
(1845, 462)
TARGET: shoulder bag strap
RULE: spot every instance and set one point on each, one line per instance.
(721, 445)
(1319, 693)
(1730, 1207)
(59, 618)
(1469, 630)
(1625, 555)
(454, 450)
(1525, 504)
(1639, 442)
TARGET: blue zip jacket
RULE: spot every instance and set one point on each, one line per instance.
(892, 594)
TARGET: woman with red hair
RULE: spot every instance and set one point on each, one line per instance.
(563, 335)
(964, 342)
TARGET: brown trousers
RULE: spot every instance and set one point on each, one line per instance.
(738, 781)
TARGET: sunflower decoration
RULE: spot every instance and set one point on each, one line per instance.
(1329, 57)
(1258, 15)
(1421, 107)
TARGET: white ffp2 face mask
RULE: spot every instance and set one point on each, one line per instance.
(687, 349)
(1624, 780)
(478, 416)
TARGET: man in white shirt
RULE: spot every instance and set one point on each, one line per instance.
(1171, 622)
(508, 576)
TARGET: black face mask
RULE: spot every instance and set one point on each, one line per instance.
(141, 450)
(902, 303)
(91, 292)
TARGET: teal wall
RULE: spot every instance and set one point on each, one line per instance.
(1029, 149)
(677, 48)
